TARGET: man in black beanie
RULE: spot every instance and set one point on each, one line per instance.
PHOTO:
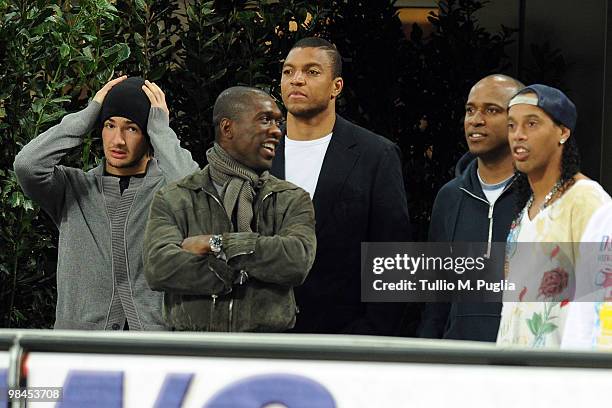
(101, 213)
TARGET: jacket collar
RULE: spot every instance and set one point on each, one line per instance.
(201, 180)
(469, 177)
(152, 171)
(342, 138)
(340, 158)
(467, 170)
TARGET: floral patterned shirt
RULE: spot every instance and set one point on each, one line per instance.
(542, 255)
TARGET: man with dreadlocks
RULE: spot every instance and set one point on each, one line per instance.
(229, 243)
(560, 210)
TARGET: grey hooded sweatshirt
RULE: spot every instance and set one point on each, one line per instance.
(100, 280)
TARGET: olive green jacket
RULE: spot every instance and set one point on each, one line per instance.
(252, 290)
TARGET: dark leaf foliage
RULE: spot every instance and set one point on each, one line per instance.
(54, 55)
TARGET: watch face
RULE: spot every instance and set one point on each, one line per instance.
(215, 243)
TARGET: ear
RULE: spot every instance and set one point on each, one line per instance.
(564, 135)
(225, 127)
(338, 84)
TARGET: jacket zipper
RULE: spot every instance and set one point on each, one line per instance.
(490, 215)
(242, 273)
(212, 312)
(231, 307)
(221, 205)
(231, 302)
(261, 205)
(214, 297)
(214, 198)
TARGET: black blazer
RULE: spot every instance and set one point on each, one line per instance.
(359, 197)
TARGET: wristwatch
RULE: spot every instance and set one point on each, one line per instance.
(216, 243)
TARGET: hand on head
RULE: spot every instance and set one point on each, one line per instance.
(101, 94)
(155, 95)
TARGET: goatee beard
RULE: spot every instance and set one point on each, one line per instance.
(307, 113)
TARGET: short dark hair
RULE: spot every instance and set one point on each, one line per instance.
(232, 102)
(332, 51)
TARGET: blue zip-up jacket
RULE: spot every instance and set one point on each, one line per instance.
(462, 213)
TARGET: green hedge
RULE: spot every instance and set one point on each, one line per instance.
(54, 55)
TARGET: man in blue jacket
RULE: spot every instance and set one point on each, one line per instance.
(478, 205)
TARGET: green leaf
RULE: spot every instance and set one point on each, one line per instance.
(87, 52)
(16, 199)
(140, 5)
(81, 58)
(38, 104)
(191, 14)
(64, 50)
(162, 50)
(19, 315)
(532, 329)
(27, 205)
(139, 40)
(212, 40)
(217, 75)
(124, 53)
(106, 6)
(535, 324)
(537, 319)
(548, 328)
(111, 50)
(61, 99)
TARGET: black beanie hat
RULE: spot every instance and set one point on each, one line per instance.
(128, 100)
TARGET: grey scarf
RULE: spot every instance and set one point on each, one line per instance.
(240, 185)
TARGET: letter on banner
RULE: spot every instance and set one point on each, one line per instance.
(173, 391)
(3, 386)
(93, 389)
(291, 390)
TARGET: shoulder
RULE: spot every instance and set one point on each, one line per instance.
(76, 175)
(170, 189)
(362, 136)
(285, 188)
(288, 195)
(587, 195)
(450, 189)
(584, 202)
(279, 184)
(599, 225)
(194, 181)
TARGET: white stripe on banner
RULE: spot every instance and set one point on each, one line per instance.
(149, 381)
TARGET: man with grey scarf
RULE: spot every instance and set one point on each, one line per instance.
(228, 244)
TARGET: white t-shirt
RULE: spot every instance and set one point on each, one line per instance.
(493, 191)
(303, 161)
(556, 258)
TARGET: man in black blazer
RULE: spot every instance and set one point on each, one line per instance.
(355, 180)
